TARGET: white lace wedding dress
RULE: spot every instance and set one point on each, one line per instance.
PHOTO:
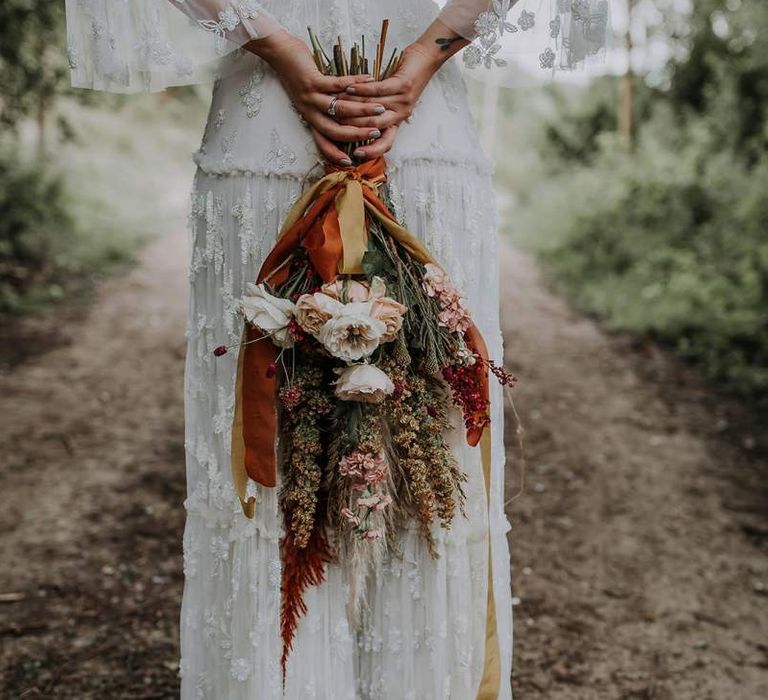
(423, 637)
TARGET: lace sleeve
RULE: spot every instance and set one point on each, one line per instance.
(238, 22)
(148, 45)
(562, 34)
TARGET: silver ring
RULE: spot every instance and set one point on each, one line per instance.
(332, 107)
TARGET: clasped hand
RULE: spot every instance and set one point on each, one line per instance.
(365, 112)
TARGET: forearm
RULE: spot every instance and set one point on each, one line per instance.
(438, 43)
(276, 47)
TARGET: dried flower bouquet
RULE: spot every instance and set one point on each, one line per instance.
(356, 347)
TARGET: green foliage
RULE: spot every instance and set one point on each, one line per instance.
(32, 57)
(574, 136)
(670, 241)
(47, 249)
(679, 255)
(34, 228)
(121, 179)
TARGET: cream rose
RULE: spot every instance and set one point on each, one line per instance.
(365, 383)
(269, 313)
(313, 310)
(352, 334)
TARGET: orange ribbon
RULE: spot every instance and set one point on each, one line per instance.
(330, 221)
(315, 223)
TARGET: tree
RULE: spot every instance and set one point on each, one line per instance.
(627, 108)
(32, 60)
(725, 76)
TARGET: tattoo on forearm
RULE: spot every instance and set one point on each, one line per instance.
(446, 44)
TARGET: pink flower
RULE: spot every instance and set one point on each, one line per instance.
(384, 501)
(349, 467)
(436, 281)
(356, 464)
(377, 471)
(372, 535)
(350, 516)
(368, 501)
(455, 316)
(364, 383)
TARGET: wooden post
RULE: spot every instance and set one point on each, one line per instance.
(627, 105)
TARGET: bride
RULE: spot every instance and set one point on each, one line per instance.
(432, 628)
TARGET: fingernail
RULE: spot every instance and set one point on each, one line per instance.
(351, 90)
(379, 110)
(345, 162)
(359, 153)
(374, 134)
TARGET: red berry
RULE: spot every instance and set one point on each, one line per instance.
(219, 351)
(271, 370)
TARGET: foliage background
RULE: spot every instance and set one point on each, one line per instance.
(77, 176)
(666, 238)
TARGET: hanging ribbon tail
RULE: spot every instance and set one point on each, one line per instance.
(255, 421)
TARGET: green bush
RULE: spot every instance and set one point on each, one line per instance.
(679, 255)
(669, 241)
(35, 227)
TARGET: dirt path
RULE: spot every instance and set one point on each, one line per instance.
(637, 550)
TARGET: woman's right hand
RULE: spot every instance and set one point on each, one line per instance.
(311, 93)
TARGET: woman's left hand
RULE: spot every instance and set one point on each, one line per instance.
(399, 94)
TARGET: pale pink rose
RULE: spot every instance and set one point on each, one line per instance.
(372, 535)
(348, 290)
(390, 312)
(365, 383)
(313, 310)
(384, 501)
